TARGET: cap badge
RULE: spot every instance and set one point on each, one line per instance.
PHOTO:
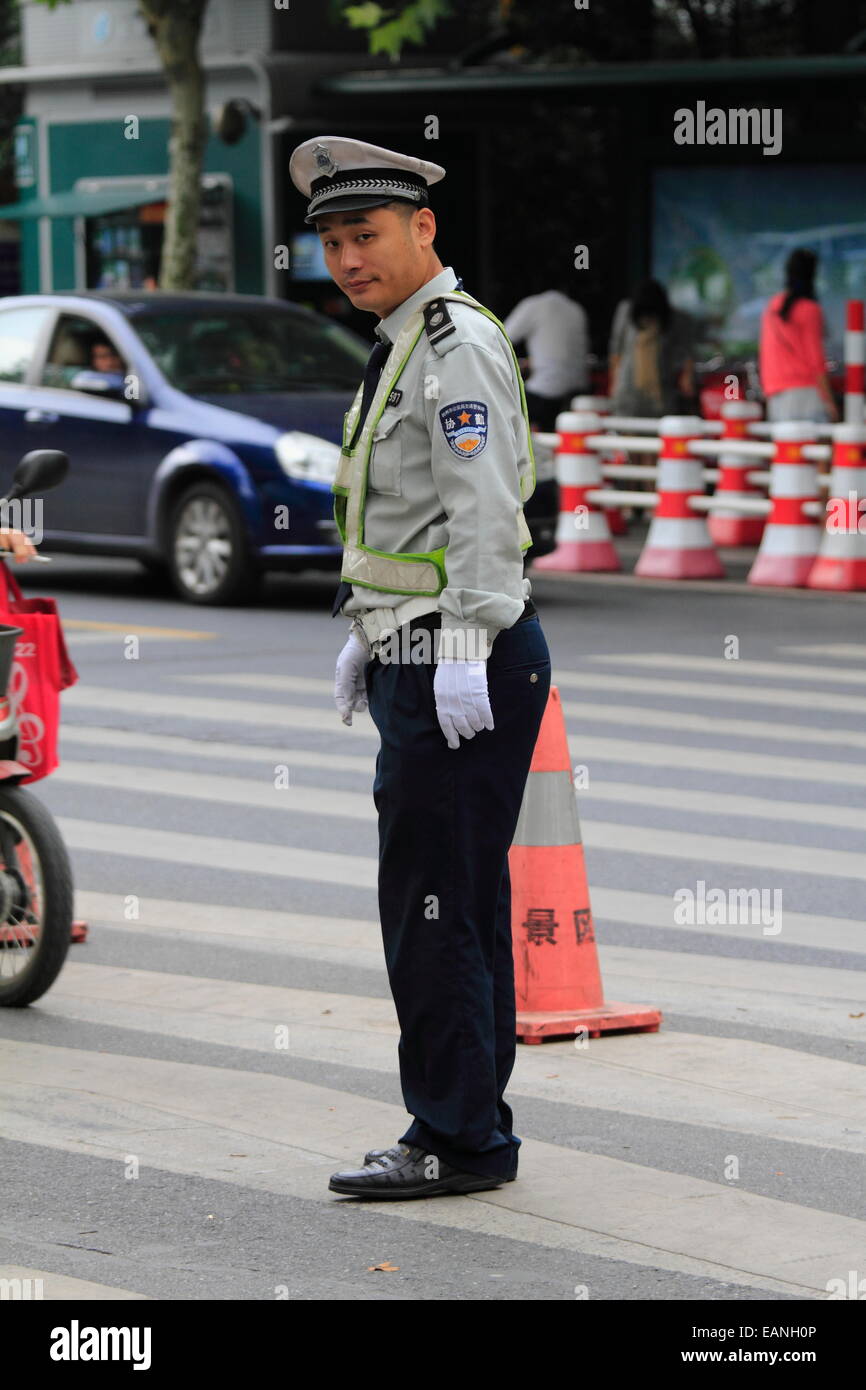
(322, 156)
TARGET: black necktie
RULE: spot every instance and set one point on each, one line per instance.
(372, 372)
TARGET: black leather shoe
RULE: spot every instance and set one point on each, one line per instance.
(372, 1154)
(407, 1171)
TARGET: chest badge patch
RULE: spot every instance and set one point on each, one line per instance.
(464, 425)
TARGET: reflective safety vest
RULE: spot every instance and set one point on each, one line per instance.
(420, 573)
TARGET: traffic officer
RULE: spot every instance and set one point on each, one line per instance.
(435, 467)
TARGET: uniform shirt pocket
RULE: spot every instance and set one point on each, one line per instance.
(387, 454)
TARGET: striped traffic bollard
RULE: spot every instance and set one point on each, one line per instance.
(678, 544)
(841, 562)
(790, 540)
(600, 405)
(731, 527)
(582, 537)
(855, 363)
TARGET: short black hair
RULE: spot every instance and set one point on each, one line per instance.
(404, 207)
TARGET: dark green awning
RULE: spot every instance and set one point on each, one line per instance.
(79, 204)
(587, 78)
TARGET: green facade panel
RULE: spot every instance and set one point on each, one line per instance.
(100, 149)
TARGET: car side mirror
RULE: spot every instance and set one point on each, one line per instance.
(108, 384)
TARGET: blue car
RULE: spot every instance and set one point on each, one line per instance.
(202, 430)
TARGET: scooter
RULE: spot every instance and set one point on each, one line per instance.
(36, 893)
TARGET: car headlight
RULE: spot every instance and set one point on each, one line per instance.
(306, 456)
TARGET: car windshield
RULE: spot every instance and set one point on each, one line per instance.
(216, 352)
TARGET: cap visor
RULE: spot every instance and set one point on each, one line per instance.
(352, 201)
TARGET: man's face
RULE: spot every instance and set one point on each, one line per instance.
(375, 255)
(104, 359)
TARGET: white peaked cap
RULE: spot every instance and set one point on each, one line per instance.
(338, 174)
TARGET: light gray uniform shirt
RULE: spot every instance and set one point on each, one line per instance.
(423, 493)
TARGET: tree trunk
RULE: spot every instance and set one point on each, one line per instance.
(175, 27)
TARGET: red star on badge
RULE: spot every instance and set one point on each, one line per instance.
(464, 418)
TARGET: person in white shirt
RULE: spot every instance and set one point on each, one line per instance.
(554, 329)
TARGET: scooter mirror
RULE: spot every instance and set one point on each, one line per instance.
(38, 471)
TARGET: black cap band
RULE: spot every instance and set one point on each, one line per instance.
(367, 177)
(380, 184)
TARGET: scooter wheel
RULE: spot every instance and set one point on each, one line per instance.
(37, 898)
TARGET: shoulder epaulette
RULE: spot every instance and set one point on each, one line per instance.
(437, 320)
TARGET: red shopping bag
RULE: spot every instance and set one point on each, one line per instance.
(40, 670)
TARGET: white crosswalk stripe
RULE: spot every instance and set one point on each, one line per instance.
(301, 717)
(212, 851)
(760, 1045)
(304, 798)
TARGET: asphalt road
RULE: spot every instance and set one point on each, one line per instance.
(160, 1140)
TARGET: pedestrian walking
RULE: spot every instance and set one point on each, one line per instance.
(651, 368)
(650, 356)
(553, 327)
(435, 467)
(791, 351)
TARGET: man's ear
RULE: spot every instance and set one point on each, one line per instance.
(425, 225)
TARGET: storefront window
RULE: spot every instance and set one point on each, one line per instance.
(123, 249)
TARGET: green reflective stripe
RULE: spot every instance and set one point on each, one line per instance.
(391, 384)
(362, 499)
(548, 815)
(356, 507)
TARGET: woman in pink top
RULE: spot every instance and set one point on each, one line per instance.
(793, 371)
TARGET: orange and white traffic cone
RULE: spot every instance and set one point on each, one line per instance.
(556, 975)
(791, 537)
(731, 527)
(678, 544)
(841, 561)
(582, 537)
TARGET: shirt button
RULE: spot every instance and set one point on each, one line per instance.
(533, 677)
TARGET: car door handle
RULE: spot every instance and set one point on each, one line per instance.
(41, 417)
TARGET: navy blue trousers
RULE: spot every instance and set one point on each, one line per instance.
(446, 820)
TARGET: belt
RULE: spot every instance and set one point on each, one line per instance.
(376, 622)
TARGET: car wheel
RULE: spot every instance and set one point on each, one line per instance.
(208, 553)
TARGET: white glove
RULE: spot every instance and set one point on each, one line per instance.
(462, 702)
(350, 691)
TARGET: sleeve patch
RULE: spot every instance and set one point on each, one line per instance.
(464, 425)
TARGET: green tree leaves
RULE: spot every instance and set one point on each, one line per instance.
(389, 30)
